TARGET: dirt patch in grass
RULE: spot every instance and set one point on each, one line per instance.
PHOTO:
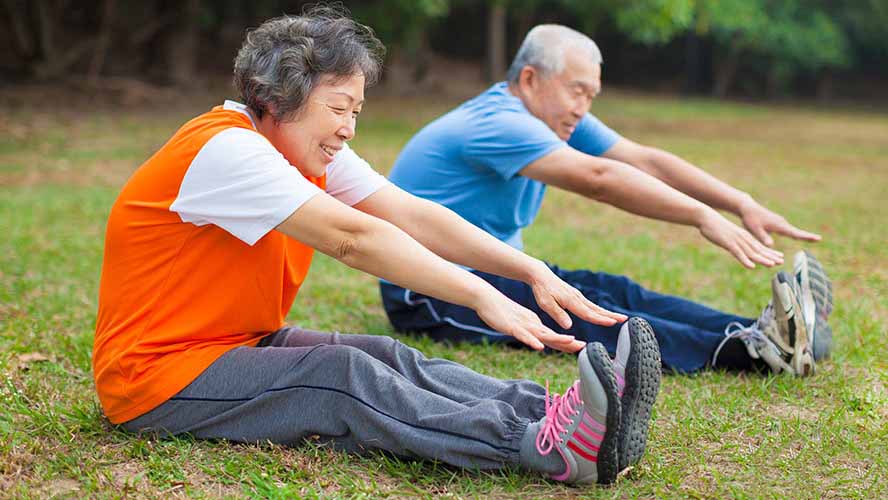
(786, 411)
(64, 488)
(102, 173)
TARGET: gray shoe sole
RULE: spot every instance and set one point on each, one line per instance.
(643, 370)
(817, 299)
(608, 460)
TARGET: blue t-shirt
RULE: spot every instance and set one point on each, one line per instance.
(468, 160)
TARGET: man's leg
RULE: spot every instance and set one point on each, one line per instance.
(630, 295)
(344, 395)
(409, 311)
(670, 313)
(684, 346)
(439, 376)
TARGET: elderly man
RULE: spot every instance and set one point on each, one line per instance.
(491, 159)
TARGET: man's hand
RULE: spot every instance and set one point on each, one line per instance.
(557, 297)
(760, 222)
(738, 241)
(510, 318)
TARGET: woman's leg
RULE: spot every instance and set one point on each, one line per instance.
(357, 402)
(439, 376)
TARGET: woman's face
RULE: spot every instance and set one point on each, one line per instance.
(319, 130)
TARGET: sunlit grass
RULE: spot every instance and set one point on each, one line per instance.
(714, 435)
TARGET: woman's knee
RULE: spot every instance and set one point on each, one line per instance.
(339, 353)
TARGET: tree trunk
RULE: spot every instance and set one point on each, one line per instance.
(18, 23)
(181, 45)
(523, 25)
(55, 59)
(777, 77)
(60, 64)
(496, 42)
(102, 42)
(45, 28)
(725, 72)
(825, 87)
(726, 69)
(693, 63)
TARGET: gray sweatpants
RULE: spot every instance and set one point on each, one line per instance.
(356, 392)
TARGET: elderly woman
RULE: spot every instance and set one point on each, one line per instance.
(208, 244)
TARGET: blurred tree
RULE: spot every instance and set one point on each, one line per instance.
(403, 26)
(181, 41)
(496, 40)
(864, 23)
(786, 37)
(521, 16)
(46, 46)
(766, 46)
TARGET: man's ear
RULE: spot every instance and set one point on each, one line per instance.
(529, 77)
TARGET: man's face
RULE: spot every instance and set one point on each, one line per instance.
(562, 100)
(325, 123)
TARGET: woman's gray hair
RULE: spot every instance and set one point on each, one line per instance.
(544, 48)
(282, 60)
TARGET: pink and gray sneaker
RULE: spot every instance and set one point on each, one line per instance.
(583, 425)
(637, 368)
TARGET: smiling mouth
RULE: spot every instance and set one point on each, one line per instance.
(329, 150)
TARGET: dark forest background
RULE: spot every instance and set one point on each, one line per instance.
(744, 48)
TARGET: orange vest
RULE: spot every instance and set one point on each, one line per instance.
(175, 296)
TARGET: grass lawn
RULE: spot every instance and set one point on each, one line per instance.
(714, 435)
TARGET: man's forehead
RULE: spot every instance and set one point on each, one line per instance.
(582, 73)
(580, 62)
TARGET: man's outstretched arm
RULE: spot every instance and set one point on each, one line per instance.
(450, 236)
(629, 188)
(697, 183)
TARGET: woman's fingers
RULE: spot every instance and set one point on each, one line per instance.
(549, 304)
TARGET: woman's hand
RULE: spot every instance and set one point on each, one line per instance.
(510, 318)
(558, 298)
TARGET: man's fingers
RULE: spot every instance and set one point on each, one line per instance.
(774, 256)
(799, 234)
(738, 254)
(762, 235)
(754, 251)
(757, 251)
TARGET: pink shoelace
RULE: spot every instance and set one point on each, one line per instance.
(559, 411)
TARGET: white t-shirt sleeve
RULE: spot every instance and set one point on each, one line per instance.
(350, 179)
(241, 183)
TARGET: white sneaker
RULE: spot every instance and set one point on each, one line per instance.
(792, 325)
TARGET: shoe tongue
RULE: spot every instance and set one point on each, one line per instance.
(622, 351)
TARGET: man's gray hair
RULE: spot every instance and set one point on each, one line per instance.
(282, 60)
(544, 48)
